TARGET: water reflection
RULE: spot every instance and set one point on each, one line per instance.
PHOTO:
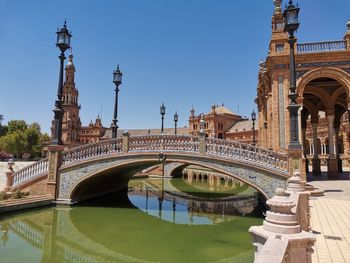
(183, 227)
(184, 201)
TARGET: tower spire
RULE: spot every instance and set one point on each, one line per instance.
(277, 4)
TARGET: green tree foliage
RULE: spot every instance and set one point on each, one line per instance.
(16, 125)
(23, 138)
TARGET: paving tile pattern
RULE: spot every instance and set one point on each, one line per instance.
(330, 220)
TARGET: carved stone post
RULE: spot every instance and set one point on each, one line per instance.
(126, 136)
(296, 162)
(202, 143)
(281, 239)
(9, 177)
(55, 161)
(296, 189)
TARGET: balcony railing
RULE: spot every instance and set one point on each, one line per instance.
(318, 47)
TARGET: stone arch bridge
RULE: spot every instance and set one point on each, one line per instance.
(91, 170)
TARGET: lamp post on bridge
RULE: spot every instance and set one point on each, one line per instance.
(291, 24)
(162, 113)
(253, 119)
(63, 43)
(176, 119)
(117, 79)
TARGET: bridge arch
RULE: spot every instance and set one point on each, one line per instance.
(95, 177)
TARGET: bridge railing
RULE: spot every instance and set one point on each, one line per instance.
(173, 143)
(247, 153)
(91, 150)
(160, 143)
(30, 173)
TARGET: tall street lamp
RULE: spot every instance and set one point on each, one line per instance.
(117, 79)
(253, 119)
(291, 24)
(162, 112)
(176, 119)
(63, 43)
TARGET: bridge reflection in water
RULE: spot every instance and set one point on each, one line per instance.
(111, 229)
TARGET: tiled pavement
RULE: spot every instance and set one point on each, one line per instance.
(330, 221)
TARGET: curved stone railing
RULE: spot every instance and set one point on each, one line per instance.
(173, 143)
(247, 153)
(30, 173)
(92, 150)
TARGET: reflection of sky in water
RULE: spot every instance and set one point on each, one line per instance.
(16, 247)
(180, 216)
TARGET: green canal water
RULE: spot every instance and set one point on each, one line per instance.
(154, 221)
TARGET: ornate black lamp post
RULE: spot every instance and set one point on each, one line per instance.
(176, 119)
(253, 119)
(291, 24)
(117, 79)
(63, 43)
(162, 112)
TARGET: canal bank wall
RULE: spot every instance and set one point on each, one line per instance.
(25, 203)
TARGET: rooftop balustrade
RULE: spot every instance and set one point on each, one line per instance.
(317, 47)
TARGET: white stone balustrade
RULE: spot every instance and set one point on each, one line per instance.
(91, 150)
(30, 173)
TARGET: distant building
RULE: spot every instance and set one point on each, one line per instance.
(222, 123)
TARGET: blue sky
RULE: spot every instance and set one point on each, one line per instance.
(182, 52)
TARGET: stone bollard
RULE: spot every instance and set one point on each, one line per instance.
(126, 142)
(296, 190)
(281, 239)
(9, 177)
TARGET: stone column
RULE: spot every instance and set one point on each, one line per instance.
(9, 177)
(55, 159)
(303, 138)
(316, 163)
(336, 147)
(332, 163)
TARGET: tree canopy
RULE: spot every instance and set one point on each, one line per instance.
(19, 138)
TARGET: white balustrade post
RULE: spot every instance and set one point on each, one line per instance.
(9, 177)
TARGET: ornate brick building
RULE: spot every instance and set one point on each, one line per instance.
(323, 88)
(222, 123)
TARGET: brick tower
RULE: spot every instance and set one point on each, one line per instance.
(71, 120)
